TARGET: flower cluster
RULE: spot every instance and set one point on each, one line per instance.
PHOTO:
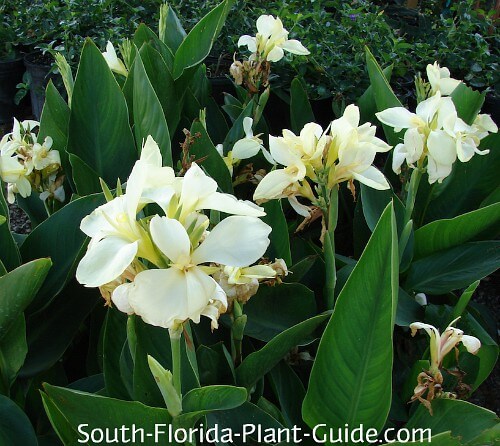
(431, 381)
(435, 132)
(162, 267)
(27, 164)
(344, 152)
(269, 45)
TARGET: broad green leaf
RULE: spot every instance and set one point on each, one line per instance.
(45, 240)
(375, 201)
(468, 185)
(236, 131)
(145, 35)
(216, 365)
(383, 94)
(209, 398)
(209, 159)
(408, 310)
(198, 43)
(257, 364)
(96, 411)
(275, 309)
(205, 400)
(351, 377)
(487, 437)
(15, 426)
(481, 224)
(163, 84)
(453, 268)
(241, 421)
(366, 102)
(280, 239)
(51, 330)
(171, 32)
(17, 290)
(85, 178)
(115, 336)
(463, 419)
(468, 102)
(464, 300)
(300, 108)
(99, 132)
(148, 113)
(54, 123)
(65, 432)
(13, 349)
(290, 392)
(9, 254)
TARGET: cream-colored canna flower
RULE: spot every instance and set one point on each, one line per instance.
(14, 173)
(442, 344)
(352, 149)
(197, 191)
(441, 80)
(21, 137)
(185, 290)
(271, 40)
(301, 155)
(435, 132)
(250, 145)
(114, 63)
(117, 238)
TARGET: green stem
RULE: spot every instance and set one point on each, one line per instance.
(412, 193)
(329, 248)
(175, 342)
(237, 332)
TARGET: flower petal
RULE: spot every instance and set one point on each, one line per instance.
(273, 184)
(442, 147)
(105, 260)
(373, 178)
(231, 205)
(248, 41)
(397, 117)
(471, 343)
(295, 47)
(246, 148)
(266, 25)
(120, 298)
(171, 237)
(235, 241)
(150, 153)
(275, 55)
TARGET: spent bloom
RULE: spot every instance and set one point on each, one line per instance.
(160, 267)
(271, 41)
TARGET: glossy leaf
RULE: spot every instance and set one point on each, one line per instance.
(99, 132)
(198, 43)
(148, 113)
(15, 426)
(13, 349)
(85, 178)
(174, 32)
(300, 108)
(450, 415)
(17, 290)
(275, 309)
(453, 268)
(96, 411)
(280, 239)
(209, 159)
(351, 377)
(257, 364)
(481, 224)
(45, 240)
(468, 102)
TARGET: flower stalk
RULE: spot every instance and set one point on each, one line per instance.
(175, 343)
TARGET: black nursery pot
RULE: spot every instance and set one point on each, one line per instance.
(11, 73)
(38, 68)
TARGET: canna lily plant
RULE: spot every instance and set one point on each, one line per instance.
(274, 277)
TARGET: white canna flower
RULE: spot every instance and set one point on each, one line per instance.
(13, 173)
(352, 149)
(271, 40)
(197, 191)
(168, 297)
(440, 80)
(116, 235)
(43, 156)
(250, 145)
(114, 63)
(300, 154)
(442, 344)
